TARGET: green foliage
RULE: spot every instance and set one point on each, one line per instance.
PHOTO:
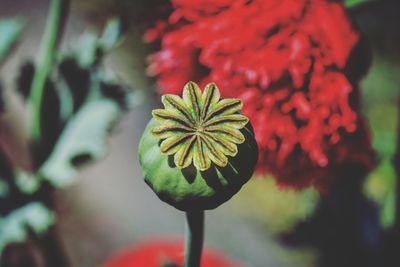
(279, 209)
(80, 107)
(91, 46)
(34, 216)
(81, 103)
(3, 189)
(10, 29)
(381, 187)
(84, 137)
(380, 107)
(355, 3)
(26, 182)
(111, 35)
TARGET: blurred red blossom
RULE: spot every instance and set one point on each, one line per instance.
(288, 60)
(163, 253)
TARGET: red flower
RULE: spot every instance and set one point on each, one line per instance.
(161, 253)
(287, 60)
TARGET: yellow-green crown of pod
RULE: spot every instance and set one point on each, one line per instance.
(199, 150)
(199, 128)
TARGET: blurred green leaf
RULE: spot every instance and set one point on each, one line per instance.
(84, 137)
(26, 182)
(91, 47)
(90, 101)
(13, 227)
(380, 95)
(381, 187)
(354, 3)
(10, 29)
(86, 52)
(111, 34)
(281, 209)
(3, 189)
(74, 85)
(383, 118)
(80, 105)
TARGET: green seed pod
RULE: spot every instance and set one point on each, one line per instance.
(199, 151)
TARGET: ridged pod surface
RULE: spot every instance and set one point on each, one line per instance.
(197, 153)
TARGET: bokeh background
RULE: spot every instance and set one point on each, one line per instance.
(110, 207)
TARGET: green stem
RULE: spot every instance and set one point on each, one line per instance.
(194, 230)
(356, 3)
(54, 27)
(52, 250)
(396, 164)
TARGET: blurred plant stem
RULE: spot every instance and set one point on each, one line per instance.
(49, 244)
(19, 255)
(194, 231)
(40, 251)
(357, 3)
(52, 250)
(392, 237)
(56, 19)
(396, 162)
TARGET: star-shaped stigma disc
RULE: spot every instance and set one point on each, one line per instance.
(199, 127)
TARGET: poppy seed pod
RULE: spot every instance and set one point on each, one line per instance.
(197, 152)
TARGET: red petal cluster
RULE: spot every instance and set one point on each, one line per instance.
(159, 253)
(286, 60)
